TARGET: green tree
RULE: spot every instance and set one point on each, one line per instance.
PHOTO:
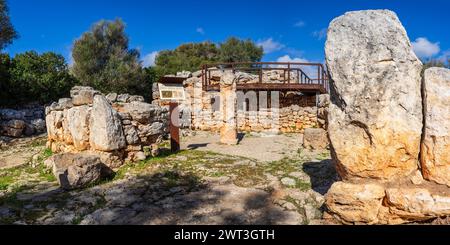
(187, 57)
(41, 78)
(191, 56)
(7, 32)
(235, 50)
(103, 60)
(5, 64)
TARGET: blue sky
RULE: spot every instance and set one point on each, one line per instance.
(288, 30)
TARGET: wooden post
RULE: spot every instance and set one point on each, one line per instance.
(174, 127)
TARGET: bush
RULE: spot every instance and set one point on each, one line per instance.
(31, 77)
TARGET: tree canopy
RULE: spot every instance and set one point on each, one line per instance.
(103, 59)
(191, 56)
(7, 31)
(30, 77)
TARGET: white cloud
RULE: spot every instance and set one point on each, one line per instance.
(300, 24)
(320, 34)
(200, 30)
(424, 48)
(149, 59)
(311, 71)
(269, 45)
(287, 58)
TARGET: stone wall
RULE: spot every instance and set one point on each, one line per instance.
(115, 127)
(390, 151)
(25, 121)
(201, 109)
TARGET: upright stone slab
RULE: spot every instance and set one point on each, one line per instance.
(435, 157)
(375, 116)
(106, 132)
(78, 125)
(228, 101)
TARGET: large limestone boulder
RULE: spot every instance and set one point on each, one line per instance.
(78, 125)
(76, 170)
(141, 112)
(417, 203)
(82, 95)
(375, 115)
(355, 203)
(106, 133)
(435, 157)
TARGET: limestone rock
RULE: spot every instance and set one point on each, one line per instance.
(137, 98)
(355, 203)
(131, 135)
(315, 139)
(39, 125)
(78, 125)
(82, 95)
(123, 98)
(65, 103)
(417, 204)
(76, 170)
(111, 97)
(375, 115)
(142, 112)
(435, 157)
(106, 132)
(54, 124)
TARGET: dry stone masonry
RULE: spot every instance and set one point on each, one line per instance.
(287, 112)
(25, 121)
(114, 127)
(391, 152)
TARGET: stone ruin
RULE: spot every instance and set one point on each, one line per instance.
(26, 121)
(116, 128)
(389, 127)
(201, 109)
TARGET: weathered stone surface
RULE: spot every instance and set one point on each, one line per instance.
(78, 125)
(39, 125)
(142, 112)
(435, 157)
(111, 97)
(355, 203)
(228, 98)
(315, 139)
(82, 95)
(123, 98)
(131, 135)
(65, 103)
(76, 170)
(54, 124)
(106, 132)
(137, 98)
(417, 204)
(375, 116)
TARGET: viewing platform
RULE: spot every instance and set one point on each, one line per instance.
(307, 78)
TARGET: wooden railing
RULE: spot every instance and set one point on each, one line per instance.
(293, 73)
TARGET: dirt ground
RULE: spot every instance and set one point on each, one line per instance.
(16, 152)
(259, 147)
(206, 183)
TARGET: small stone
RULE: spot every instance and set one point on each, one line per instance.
(288, 182)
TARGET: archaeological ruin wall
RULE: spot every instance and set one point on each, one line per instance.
(286, 112)
(115, 127)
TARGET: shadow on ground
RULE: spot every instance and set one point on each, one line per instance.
(322, 174)
(162, 198)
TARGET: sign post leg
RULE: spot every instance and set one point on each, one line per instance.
(174, 127)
